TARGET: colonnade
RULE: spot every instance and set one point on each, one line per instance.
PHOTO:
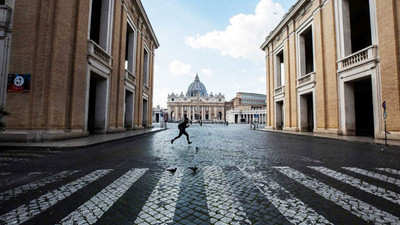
(213, 113)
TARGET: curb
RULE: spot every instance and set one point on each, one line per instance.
(15, 147)
(331, 138)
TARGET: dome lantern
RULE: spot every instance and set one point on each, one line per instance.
(197, 87)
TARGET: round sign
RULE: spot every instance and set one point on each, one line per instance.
(19, 81)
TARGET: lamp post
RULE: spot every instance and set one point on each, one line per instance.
(384, 117)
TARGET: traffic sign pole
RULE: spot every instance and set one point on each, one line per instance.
(384, 117)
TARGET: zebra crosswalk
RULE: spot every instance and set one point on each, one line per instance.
(223, 204)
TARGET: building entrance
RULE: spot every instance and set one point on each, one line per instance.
(279, 115)
(364, 116)
(128, 109)
(145, 112)
(97, 104)
(307, 113)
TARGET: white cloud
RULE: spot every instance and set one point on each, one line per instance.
(178, 67)
(244, 35)
(160, 97)
(207, 72)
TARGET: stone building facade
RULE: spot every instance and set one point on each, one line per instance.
(247, 108)
(91, 68)
(6, 24)
(330, 66)
(253, 100)
(196, 105)
(158, 114)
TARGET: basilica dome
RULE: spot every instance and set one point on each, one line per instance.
(197, 87)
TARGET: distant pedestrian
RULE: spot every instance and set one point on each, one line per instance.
(182, 127)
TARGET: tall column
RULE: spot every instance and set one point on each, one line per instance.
(182, 115)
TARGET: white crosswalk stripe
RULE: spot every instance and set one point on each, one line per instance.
(374, 175)
(15, 192)
(389, 170)
(160, 207)
(93, 209)
(221, 201)
(353, 205)
(287, 204)
(222, 204)
(362, 185)
(38, 205)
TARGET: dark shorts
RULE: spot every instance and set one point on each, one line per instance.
(182, 132)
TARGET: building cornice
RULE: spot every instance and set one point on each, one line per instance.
(139, 3)
(287, 18)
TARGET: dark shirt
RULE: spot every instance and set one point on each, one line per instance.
(182, 126)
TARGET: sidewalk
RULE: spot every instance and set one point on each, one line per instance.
(81, 142)
(337, 137)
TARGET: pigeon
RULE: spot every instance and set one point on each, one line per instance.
(172, 170)
(193, 168)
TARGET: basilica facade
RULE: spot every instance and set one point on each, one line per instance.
(196, 104)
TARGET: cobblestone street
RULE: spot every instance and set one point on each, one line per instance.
(243, 177)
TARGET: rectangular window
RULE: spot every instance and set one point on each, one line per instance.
(146, 68)
(100, 22)
(306, 52)
(130, 59)
(357, 25)
(279, 70)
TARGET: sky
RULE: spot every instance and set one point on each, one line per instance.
(218, 39)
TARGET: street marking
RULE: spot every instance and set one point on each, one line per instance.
(93, 209)
(392, 171)
(13, 193)
(160, 207)
(13, 155)
(11, 159)
(374, 175)
(28, 211)
(221, 201)
(357, 207)
(370, 188)
(296, 211)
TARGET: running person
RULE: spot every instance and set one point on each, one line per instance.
(182, 127)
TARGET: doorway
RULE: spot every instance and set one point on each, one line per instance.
(364, 115)
(129, 109)
(145, 112)
(279, 115)
(96, 122)
(307, 112)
